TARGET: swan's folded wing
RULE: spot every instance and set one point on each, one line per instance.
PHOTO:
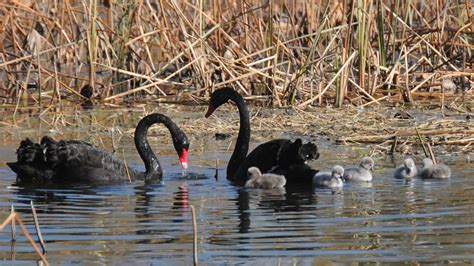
(28, 171)
(30, 152)
(289, 153)
(86, 160)
(31, 162)
(264, 156)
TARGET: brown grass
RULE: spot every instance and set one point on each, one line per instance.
(293, 52)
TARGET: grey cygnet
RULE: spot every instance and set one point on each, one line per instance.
(430, 170)
(361, 173)
(264, 181)
(330, 180)
(407, 170)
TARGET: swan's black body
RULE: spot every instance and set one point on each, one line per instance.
(79, 161)
(275, 154)
(297, 174)
(279, 154)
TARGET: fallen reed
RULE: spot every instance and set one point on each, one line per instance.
(297, 53)
(37, 227)
(14, 218)
(195, 236)
(451, 131)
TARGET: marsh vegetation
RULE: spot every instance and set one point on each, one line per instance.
(286, 53)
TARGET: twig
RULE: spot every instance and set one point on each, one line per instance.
(40, 53)
(28, 236)
(38, 63)
(431, 153)
(114, 148)
(394, 145)
(12, 210)
(217, 170)
(10, 218)
(126, 167)
(37, 227)
(16, 216)
(346, 64)
(195, 249)
(421, 142)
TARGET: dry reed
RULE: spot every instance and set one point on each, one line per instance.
(15, 217)
(195, 236)
(37, 227)
(349, 126)
(361, 52)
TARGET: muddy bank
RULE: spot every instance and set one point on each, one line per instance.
(376, 128)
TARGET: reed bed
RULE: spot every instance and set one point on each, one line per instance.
(379, 129)
(290, 53)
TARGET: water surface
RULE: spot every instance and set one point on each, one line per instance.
(385, 221)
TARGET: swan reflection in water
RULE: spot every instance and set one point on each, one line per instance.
(285, 199)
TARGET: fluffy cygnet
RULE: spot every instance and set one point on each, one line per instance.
(330, 180)
(407, 170)
(431, 170)
(361, 173)
(265, 181)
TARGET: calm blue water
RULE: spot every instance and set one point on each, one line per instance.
(386, 221)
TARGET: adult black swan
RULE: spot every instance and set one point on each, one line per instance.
(79, 161)
(278, 153)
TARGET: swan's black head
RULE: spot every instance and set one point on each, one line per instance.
(181, 145)
(47, 140)
(309, 151)
(219, 97)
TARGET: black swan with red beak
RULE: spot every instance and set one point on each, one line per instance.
(79, 161)
(282, 156)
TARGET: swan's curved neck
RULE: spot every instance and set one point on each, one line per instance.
(243, 139)
(152, 165)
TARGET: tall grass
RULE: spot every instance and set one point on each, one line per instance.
(288, 52)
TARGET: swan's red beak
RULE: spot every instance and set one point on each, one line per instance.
(183, 159)
(210, 110)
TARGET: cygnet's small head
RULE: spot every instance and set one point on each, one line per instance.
(253, 172)
(427, 162)
(367, 163)
(337, 171)
(409, 163)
